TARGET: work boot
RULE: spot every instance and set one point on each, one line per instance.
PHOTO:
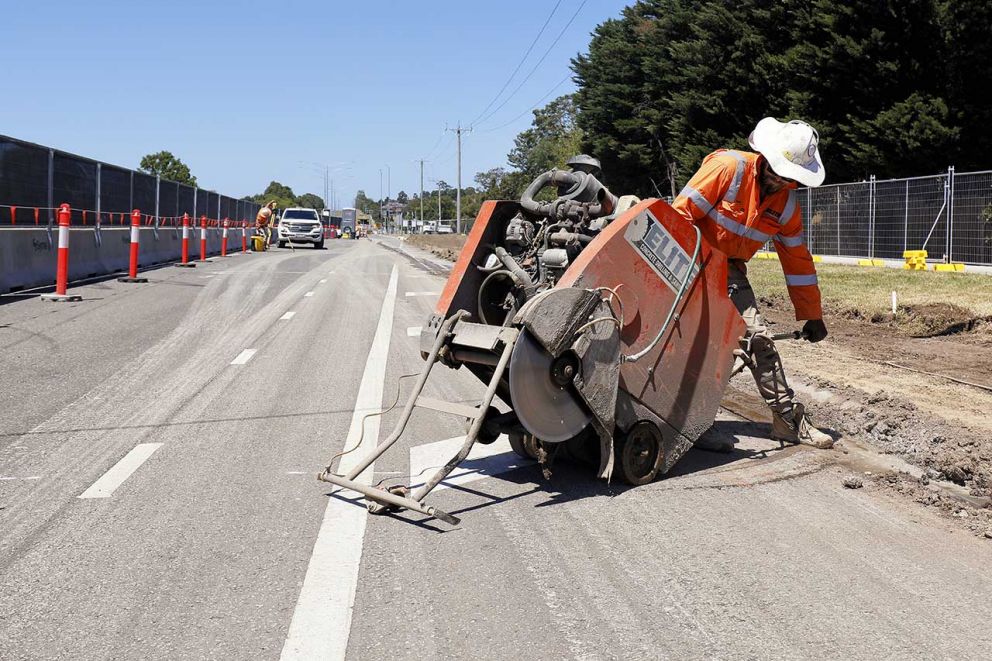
(798, 428)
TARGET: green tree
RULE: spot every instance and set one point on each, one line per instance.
(167, 166)
(402, 197)
(894, 87)
(280, 193)
(310, 201)
(553, 137)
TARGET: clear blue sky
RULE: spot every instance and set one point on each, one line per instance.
(244, 91)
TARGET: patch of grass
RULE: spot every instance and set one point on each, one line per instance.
(928, 302)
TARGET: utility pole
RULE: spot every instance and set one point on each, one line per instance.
(421, 195)
(381, 218)
(458, 195)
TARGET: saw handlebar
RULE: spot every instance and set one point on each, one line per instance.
(791, 335)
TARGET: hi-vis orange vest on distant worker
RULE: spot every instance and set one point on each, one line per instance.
(723, 199)
(263, 217)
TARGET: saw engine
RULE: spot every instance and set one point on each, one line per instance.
(603, 324)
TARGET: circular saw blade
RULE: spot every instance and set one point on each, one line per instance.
(546, 410)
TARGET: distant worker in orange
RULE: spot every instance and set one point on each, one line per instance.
(263, 219)
(741, 200)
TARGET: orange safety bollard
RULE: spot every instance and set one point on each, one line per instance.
(223, 239)
(186, 263)
(203, 240)
(132, 271)
(62, 268)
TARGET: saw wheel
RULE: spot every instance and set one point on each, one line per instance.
(542, 398)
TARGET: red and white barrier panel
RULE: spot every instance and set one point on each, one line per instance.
(132, 271)
(62, 268)
(203, 239)
(186, 263)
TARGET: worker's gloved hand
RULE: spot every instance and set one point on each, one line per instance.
(814, 330)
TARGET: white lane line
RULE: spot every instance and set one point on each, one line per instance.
(323, 280)
(483, 461)
(423, 293)
(105, 486)
(32, 477)
(322, 619)
(289, 315)
(308, 294)
(413, 331)
(244, 357)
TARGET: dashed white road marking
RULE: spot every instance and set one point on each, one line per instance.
(423, 293)
(483, 461)
(32, 477)
(113, 478)
(321, 620)
(289, 315)
(413, 331)
(296, 472)
(308, 294)
(244, 357)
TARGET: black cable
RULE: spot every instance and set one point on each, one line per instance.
(519, 64)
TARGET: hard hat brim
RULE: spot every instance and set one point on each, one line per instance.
(765, 139)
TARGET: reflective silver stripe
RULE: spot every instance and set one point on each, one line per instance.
(135, 234)
(791, 241)
(800, 280)
(697, 198)
(737, 228)
(790, 208)
(735, 185)
(63, 237)
(203, 233)
(185, 231)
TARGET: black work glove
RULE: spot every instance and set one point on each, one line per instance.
(814, 330)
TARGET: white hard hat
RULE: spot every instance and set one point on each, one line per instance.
(791, 149)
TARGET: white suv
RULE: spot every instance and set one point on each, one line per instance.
(298, 225)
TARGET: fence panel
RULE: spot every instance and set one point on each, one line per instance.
(927, 215)
(74, 181)
(23, 182)
(168, 199)
(891, 218)
(822, 222)
(143, 193)
(184, 202)
(971, 226)
(854, 203)
(115, 195)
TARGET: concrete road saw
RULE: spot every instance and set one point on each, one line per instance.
(602, 323)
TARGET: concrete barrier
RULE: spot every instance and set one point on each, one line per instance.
(28, 255)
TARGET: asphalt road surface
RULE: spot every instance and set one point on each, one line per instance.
(158, 451)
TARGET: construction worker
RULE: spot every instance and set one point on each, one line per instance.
(740, 200)
(263, 219)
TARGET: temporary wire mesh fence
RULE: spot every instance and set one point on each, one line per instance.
(948, 215)
(34, 180)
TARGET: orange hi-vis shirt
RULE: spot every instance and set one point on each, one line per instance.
(723, 198)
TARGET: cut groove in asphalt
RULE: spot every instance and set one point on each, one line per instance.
(321, 620)
(289, 315)
(244, 357)
(113, 478)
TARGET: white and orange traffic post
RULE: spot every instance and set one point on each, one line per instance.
(203, 239)
(223, 239)
(62, 266)
(132, 269)
(244, 236)
(186, 263)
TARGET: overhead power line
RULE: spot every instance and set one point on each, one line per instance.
(533, 107)
(539, 62)
(519, 64)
